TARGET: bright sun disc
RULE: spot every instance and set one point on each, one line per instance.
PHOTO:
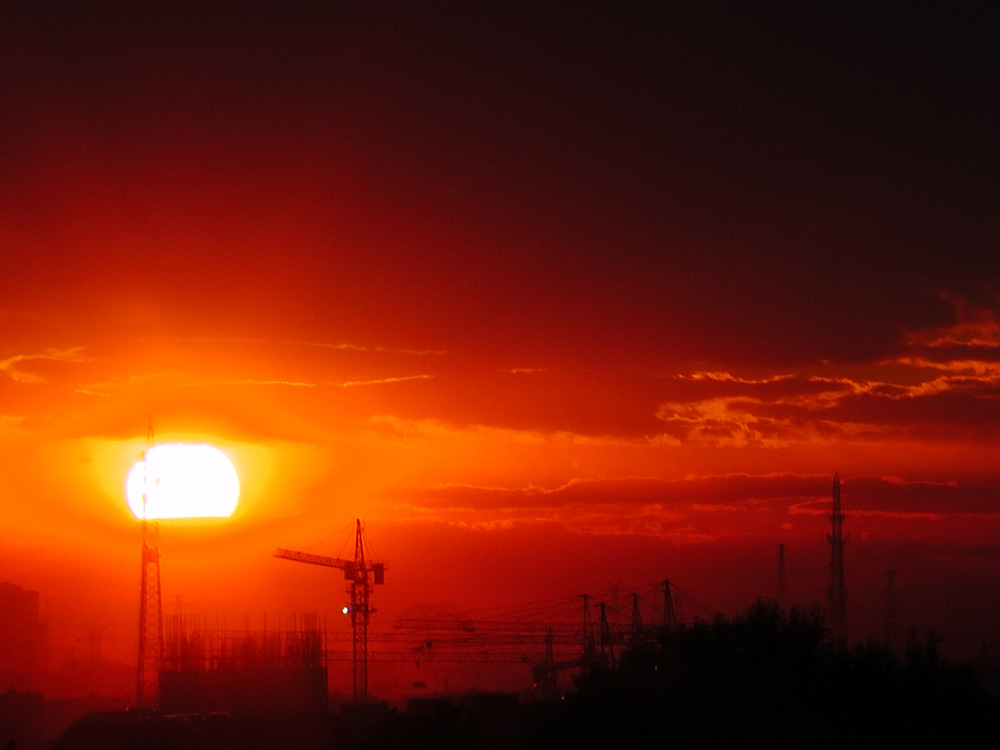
(182, 481)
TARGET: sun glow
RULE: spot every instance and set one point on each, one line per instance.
(182, 481)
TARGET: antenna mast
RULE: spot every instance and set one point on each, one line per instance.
(782, 597)
(838, 589)
(669, 613)
(150, 601)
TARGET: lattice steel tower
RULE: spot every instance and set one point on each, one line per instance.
(890, 609)
(838, 589)
(782, 592)
(150, 605)
(669, 613)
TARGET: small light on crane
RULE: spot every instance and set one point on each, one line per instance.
(363, 575)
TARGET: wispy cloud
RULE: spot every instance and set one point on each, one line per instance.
(977, 367)
(727, 377)
(711, 490)
(345, 347)
(17, 366)
(697, 508)
(205, 340)
(109, 387)
(975, 327)
(694, 509)
(383, 381)
(285, 383)
(913, 396)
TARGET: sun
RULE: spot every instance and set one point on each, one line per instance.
(180, 480)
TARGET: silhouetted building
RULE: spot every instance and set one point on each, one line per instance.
(22, 638)
(270, 689)
(126, 730)
(21, 720)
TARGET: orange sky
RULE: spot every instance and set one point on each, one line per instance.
(553, 301)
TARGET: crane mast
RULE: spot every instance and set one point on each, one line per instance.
(362, 576)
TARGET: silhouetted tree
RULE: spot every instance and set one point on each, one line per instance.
(773, 677)
(765, 676)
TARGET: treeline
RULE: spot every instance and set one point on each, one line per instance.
(774, 678)
(765, 676)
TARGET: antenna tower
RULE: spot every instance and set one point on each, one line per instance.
(636, 618)
(589, 641)
(890, 609)
(150, 603)
(606, 638)
(838, 590)
(669, 613)
(782, 598)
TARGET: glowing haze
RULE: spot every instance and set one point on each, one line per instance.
(552, 296)
(182, 481)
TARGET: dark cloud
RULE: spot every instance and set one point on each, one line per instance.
(674, 502)
(624, 492)
(649, 186)
(945, 498)
(925, 401)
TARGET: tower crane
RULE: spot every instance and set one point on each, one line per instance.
(362, 575)
(548, 642)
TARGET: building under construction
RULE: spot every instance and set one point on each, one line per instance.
(277, 667)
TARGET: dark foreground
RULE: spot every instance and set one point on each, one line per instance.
(764, 676)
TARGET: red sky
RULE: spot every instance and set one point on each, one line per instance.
(553, 300)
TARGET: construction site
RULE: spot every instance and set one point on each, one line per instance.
(204, 664)
(198, 663)
(264, 682)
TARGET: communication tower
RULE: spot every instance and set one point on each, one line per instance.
(669, 612)
(838, 589)
(150, 604)
(890, 609)
(782, 597)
